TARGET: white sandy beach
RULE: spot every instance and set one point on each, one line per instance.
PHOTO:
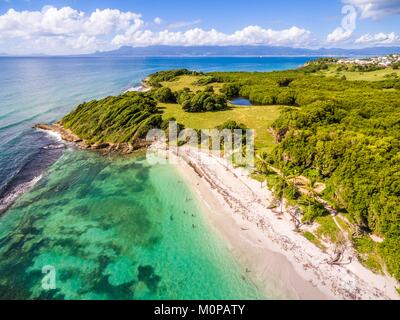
(143, 87)
(272, 253)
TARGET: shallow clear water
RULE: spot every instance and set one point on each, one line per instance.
(113, 228)
(37, 90)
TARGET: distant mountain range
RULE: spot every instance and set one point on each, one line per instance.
(242, 51)
(215, 51)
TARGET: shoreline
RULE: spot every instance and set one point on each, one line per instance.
(262, 265)
(278, 258)
(68, 136)
(143, 87)
(237, 208)
(60, 133)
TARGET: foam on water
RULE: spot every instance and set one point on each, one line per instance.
(115, 228)
(135, 89)
(52, 135)
(9, 198)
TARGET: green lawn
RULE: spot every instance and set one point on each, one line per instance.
(378, 75)
(328, 229)
(258, 118)
(312, 238)
(368, 254)
(189, 82)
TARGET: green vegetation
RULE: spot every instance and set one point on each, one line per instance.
(207, 80)
(231, 90)
(157, 78)
(274, 88)
(389, 249)
(202, 101)
(312, 209)
(192, 83)
(344, 225)
(259, 118)
(368, 253)
(346, 133)
(232, 125)
(122, 119)
(314, 122)
(377, 75)
(328, 229)
(360, 68)
(165, 95)
(318, 65)
(312, 238)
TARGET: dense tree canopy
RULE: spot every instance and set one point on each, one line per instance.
(345, 132)
(203, 101)
(122, 119)
(165, 95)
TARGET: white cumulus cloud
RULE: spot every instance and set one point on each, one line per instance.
(251, 35)
(65, 21)
(108, 21)
(379, 39)
(68, 31)
(375, 9)
(339, 35)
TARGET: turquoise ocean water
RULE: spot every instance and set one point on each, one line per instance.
(112, 227)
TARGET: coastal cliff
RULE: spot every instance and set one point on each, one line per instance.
(113, 124)
(105, 148)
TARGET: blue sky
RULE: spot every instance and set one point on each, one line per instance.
(80, 26)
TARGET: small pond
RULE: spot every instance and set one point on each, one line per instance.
(241, 102)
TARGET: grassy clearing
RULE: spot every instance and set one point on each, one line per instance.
(344, 225)
(259, 118)
(312, 238)
(368, 254)
(328, 229)
(190, 82)
(378, 75)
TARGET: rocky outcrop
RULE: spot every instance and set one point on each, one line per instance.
(104, 147)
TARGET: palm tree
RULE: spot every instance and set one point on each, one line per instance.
(310, 189)
(262, 164)
(285, 182)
